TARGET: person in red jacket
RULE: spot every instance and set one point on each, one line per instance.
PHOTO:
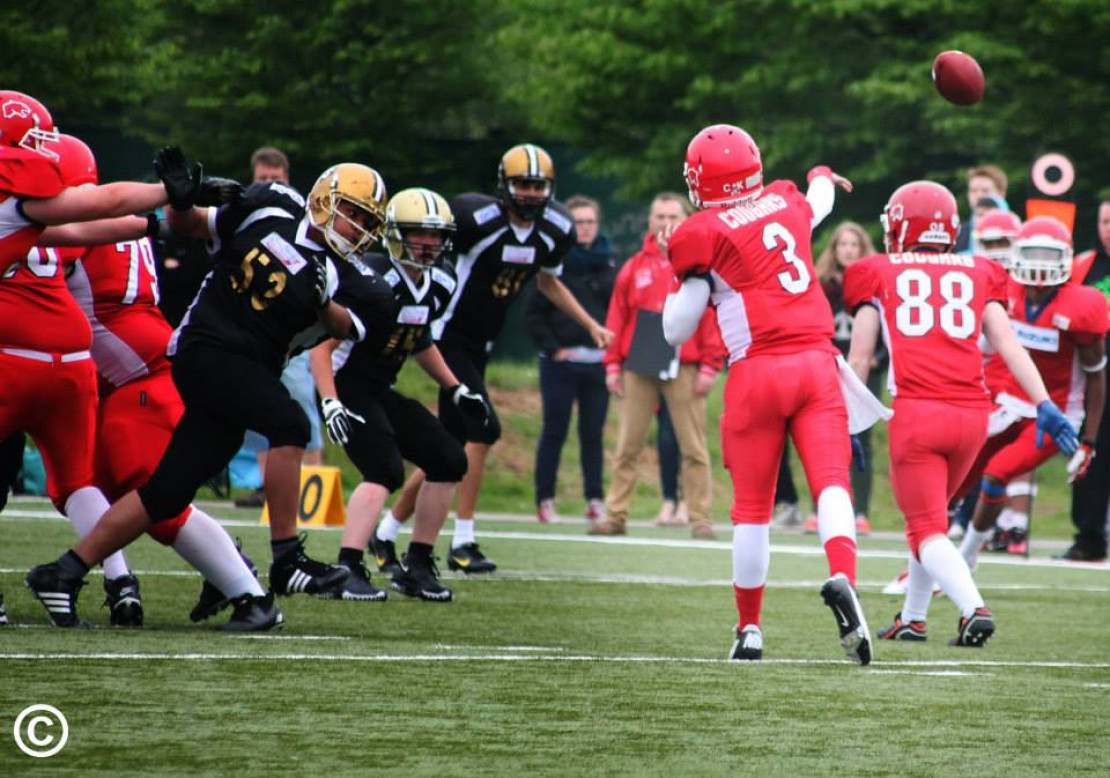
(641, 367)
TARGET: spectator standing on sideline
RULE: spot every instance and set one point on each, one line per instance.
(982, 181)
(271, 165)
(1090, 504)
(848, 244)
(641, 367)
(570, 363)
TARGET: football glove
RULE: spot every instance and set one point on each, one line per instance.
(182, 187)
(859, 458)
(323, 297)
(472, 405)
(1080, 462)
(336, 419)
(1052, 421)
(219, 191)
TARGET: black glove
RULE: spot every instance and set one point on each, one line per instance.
(219, 191)
(472, 405)
(322, 297)
(182, 186)
(858, 457)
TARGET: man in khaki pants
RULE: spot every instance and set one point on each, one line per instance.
(641, 367)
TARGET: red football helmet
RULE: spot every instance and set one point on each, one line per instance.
(920, 214)
(723, 167)
(1042, 253)
(25, 123)
(76, 161)
(996, 233)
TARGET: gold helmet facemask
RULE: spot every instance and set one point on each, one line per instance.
(526, 162)
(358, 186)
(417, 209)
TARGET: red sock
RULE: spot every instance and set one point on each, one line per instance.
(841, 553)
(749, 604)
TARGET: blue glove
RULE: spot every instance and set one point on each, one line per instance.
(859, 459)
(1052, 421)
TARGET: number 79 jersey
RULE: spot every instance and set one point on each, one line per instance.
(760, 263)
(932, 313)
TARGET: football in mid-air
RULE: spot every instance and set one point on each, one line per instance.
(958, 77)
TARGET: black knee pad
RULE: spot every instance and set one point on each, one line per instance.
(488, 433)
(163, 499)
(290, 428)
(449, 467)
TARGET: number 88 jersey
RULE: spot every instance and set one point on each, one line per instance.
(932, 313)
(760, 263)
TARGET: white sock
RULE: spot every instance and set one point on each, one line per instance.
(388, 527)
(835, 516)
(84, 509)
(1019, 520)
(206, 546)
(972, 542)
(947, 567)
(464, 532)
(1005, 519)
(751, 554)
(919, 592)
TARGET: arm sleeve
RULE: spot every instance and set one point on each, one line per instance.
(821, 196)
(372, 307)
(998, 283)
(861, 285)
(683, 311)
(1093, 321)
(691, 250)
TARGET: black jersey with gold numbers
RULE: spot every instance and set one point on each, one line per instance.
(419, 305)
(494, 260)
(261, 292)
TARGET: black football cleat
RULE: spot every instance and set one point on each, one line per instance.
(841, 597)
(212, 600)
(123, 601)
(385, 555)
(468, 559)
(357, 587)
(974, 630)
(748, 646)
(254, 613)
(905, 631)
(296, 573)
(57, 592)
(420, 578)
(3, 613)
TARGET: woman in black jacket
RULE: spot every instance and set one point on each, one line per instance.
(570, 364)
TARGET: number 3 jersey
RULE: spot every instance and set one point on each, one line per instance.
(261, 292)
(760, 265)
(494, 260)
(932, 313)
(375, 365)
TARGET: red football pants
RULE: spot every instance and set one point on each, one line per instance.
(55, 403)
(135, 423)
(932, 447)
(767, 396)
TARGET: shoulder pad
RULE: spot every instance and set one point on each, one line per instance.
(27, 174)
(555, 215)
(444, 279)
(392, 277)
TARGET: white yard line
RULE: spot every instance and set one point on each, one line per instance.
(524, 657)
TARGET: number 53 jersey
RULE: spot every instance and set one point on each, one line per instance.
(260, 293)
(760, 264)
(932, 313)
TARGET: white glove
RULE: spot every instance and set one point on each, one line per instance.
(335, 419)
(471, 404)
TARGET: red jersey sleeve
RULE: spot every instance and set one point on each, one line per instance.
(998, 282)
(691, 249)
(27, 174)
(861, 284)
(1092, 317)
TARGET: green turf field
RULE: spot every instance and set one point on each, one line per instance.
(585, 656)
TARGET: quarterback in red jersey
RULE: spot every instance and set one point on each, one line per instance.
(748, 248)
(932, 306)
(1063, 325)
(49, 387)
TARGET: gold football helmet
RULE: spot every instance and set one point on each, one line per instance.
(418, 227)
(358, 186)
(526, 180)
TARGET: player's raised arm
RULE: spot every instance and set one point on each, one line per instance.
(822, 191)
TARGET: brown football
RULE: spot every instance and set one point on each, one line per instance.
(958, 77)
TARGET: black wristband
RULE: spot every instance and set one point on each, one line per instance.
(153, 225)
